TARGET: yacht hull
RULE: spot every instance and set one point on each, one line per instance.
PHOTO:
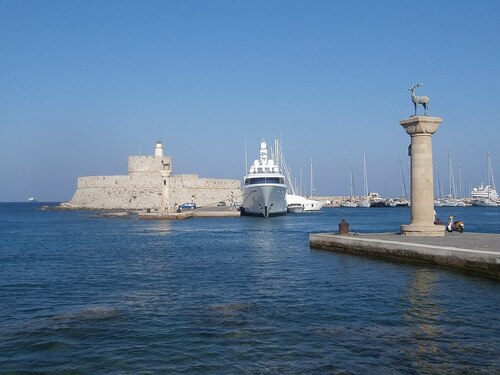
(308, 204)
(264, 200)
(485, 204)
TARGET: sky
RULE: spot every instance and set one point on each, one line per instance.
(85, 84)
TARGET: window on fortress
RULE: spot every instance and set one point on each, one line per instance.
(164, 182)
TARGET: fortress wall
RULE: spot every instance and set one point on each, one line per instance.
(124, 197)
(150, 184)
(143, 165)
(101, 181)
(203, 191)
(119, 181)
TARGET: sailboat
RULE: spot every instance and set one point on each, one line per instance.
(403, 201)
(365, 202)
(350, 202)
(460, 202)
(438, 202)
(486, 196)
(295, 202)
(450, 200)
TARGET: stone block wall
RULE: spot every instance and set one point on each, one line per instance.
(150, 184)
(203, 191)
(144, 165)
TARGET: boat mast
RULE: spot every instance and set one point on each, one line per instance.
(459, 181)
(286, 171)
(490, 173)
(311, 178)
(450, 176)
(277, 154)
(352, 189)
(405, 192)
(365, 177)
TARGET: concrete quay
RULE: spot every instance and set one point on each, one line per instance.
(476, 253)
(208, 211)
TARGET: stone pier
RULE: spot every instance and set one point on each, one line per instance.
(420, 129)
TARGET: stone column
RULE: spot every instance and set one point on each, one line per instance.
(420, 129)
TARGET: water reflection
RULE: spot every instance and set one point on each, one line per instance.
(160, 227)
(423, 317)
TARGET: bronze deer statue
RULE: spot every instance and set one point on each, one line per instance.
(424, 100)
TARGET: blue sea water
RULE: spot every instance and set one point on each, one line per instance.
(82, 294)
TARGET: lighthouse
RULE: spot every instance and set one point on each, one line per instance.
(159, 149)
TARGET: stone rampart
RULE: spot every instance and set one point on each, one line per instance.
(123, 197)
(150, 184)
(141, 165)
(204, 191)
(101, 181)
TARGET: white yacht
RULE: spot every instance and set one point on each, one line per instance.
(264, 188)
(486, 195)
(308, 204)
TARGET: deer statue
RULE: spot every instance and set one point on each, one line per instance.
(424, 100)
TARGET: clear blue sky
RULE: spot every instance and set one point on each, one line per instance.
(83, 82)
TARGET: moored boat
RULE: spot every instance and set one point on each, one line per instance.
(264, 188)
(349, 204)
(295, 208)
(486, 196)
(306, 203)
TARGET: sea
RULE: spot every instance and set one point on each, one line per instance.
(82, 293)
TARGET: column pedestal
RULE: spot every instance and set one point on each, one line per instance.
(420, 129)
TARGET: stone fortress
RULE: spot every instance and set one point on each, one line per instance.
(151, 185)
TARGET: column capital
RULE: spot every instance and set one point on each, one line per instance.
(421, 124)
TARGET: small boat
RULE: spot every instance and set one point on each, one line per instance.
(295, 208)
(264, 188)
(377, 202)
(306, 203)
(449, 202)
(402, 202)
(32, 199)
(349, 204)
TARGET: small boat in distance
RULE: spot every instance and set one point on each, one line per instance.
(32, 199)
(264, 188)
(349, 204)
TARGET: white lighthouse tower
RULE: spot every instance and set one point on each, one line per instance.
(159, 149)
